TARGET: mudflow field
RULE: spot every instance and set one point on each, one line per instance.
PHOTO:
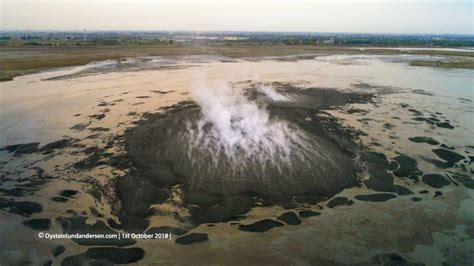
(311, 159)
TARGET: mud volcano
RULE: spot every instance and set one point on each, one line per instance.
(262, 144)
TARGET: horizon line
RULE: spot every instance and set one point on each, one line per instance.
(233, 31)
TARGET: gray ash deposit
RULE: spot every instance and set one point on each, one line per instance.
(263, 144)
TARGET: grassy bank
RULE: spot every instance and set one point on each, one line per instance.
(467, 64)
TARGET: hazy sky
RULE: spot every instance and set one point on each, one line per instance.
(245, 15)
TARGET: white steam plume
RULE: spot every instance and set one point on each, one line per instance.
(242, 131)
(272, 94)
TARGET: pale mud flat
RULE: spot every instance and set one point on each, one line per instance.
(94, 108)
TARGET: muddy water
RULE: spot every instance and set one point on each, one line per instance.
(92, 106)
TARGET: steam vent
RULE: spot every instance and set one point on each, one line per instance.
(247, 146)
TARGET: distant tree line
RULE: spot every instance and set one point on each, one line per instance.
(229, 38)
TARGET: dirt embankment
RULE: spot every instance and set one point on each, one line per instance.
(17, 61)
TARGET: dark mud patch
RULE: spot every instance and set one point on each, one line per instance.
(98, 116)
(160, 92)
(378, 168)
(14, 192)
(465, 179)
(56, 145)
(38, 224)
(260, 226)
(20, 149)
(80, 127)
(308, 214)
(26, 149)
(408, 167)
(23, 208)
(356, 111)
(95, 158)
(102, 104)
(59, 199)
(427, 140)
(191, 238)
(401, 190)
(289, 218)
(445, 125)
(57, 250)
(423, 119)
(432, 119)
(64, 195)
(68, 193)
(388, 126)
(444, 146)
(99, 129)
(448, 156)
(465, 100)
(435, 180)
(379, 197)
(113, 224)
(105, 256)
(339, 201)
(415, 112)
